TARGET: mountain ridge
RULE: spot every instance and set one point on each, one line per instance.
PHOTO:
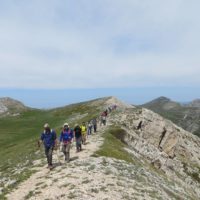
(194, 103)
(186, 116)
(162, 162)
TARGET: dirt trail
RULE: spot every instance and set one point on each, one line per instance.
(46, 184)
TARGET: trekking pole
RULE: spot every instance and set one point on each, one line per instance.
(38, 144)
(58, 158)
(71, 144)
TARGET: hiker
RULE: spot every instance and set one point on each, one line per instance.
(84, 132)
(114, 107)
(48, 137)
(106, 113)
(139, 126)
(78, 137)
(66, 137)
(103, 118)
(89, 128)
(94, 123)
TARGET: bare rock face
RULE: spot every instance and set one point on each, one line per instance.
(3, 108)
(166, 146)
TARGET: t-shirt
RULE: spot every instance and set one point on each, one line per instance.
(83, 128)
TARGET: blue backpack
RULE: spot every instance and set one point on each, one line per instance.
(67, 135)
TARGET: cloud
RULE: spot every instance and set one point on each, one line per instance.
(83, 44)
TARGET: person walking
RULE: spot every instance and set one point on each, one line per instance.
(78, 137)
(66, 137)
(48, 138)
(89, 128)
(103, 118)
(94, 123)
(84, 132)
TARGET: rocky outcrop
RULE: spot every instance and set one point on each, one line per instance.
(10, 106)
(186, 116)
(3, 108)
(166, 146)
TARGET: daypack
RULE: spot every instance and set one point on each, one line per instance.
(66, 135)
(77, 131)
(48, 139)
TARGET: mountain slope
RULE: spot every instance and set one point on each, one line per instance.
(19, 135)
(139, 150)
(9, 106)
(185, 116)
(166, 146)
(162, 103)
(194, 103)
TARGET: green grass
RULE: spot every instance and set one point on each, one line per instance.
(194, 175)
(29, 195)
(113, 145)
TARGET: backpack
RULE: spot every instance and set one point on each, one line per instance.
(77, 130)
(52, 132)
(48, 139)
(67, 135)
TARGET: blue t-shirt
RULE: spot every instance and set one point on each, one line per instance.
(48, 138)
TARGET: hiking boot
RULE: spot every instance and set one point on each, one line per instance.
(50, 167)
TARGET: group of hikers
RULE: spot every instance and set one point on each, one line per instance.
(78, 134)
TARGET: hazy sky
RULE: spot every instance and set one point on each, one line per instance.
(66, 44)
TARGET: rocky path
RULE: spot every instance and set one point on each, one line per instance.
(85, 177)
(58, 183)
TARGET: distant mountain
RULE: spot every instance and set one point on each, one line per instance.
(194, 103)
(162, 103)
(9, 106)
(187, 116)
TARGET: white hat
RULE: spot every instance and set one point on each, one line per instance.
(65, 124)
(46, 125)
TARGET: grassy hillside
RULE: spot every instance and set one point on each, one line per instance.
(19, 135)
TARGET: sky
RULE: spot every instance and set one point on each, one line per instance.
(99, 48)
